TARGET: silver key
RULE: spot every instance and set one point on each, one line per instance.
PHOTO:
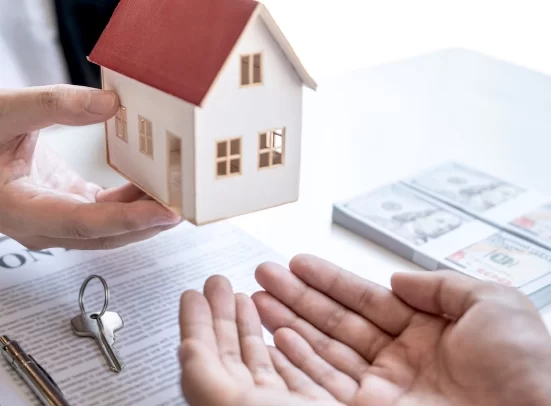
(103, 331)
(100, 326)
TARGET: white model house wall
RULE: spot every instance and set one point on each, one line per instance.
(166, 114)
(231, 111)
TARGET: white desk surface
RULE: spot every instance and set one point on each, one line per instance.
(369, 127)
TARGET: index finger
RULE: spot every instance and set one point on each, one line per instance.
(60, 218)
(450, 293)
(34, 108)
(324, 313)
(374, 302)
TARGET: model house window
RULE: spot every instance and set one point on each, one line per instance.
(228, 157)
(120, 124)
(251, 69)
(146, 137)
(272, 148)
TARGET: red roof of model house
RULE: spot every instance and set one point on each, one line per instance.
(180, 46)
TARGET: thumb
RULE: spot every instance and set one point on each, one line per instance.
(34, 108)
(448, 293)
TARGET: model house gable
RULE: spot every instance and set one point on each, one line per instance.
(253, 62)
(266, 117)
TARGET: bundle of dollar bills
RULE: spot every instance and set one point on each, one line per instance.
(524, 212)
(455, 217)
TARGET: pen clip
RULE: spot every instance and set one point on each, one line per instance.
(44, 371)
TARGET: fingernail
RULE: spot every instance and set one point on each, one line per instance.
(100, 102)
(167, 220)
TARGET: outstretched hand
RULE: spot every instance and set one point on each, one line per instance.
(436, 338)
(225, 360)
(43, 202)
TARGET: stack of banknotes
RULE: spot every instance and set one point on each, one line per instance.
(455, 217)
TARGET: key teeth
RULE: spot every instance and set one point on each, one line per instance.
(80, 326)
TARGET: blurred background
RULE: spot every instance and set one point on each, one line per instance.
(47, 41)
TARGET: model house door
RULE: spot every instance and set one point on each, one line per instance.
(174, 175)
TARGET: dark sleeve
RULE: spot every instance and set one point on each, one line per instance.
(80, 24)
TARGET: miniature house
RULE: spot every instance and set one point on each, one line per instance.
(211, 105)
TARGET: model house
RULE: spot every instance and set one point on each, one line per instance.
(211, 105)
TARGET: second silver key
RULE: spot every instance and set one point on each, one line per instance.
(103, 332)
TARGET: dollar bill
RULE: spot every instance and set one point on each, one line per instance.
(505, 259)
(465, 187)
(402, 212)
(537, 223)
(435, 235)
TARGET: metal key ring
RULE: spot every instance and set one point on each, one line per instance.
(105, 292)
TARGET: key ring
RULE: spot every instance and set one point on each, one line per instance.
(105, 292)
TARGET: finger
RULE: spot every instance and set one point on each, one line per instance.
(254, 350)
(123, 194)
(449, 293)
(37, 243)
(374, 302)
(276, 316)
(218, 292)
(196, 320)
(63, 218)
(198, 353)
(323, 312)
(33, 108)
(297, 350)
(296, 380)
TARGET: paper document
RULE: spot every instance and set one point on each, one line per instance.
(39, 296)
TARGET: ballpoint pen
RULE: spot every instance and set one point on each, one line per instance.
(38, 380)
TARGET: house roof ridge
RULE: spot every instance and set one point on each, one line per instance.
(139, 42)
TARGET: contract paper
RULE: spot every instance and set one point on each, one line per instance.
(39, 296)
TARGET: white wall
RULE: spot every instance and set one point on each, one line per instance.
(231, 111)
(167, 113)
(336, 36)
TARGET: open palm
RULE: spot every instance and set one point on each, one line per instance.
(225, 360)
(437, 338)
(43, 201)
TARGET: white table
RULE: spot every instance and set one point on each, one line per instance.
(373, 126)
